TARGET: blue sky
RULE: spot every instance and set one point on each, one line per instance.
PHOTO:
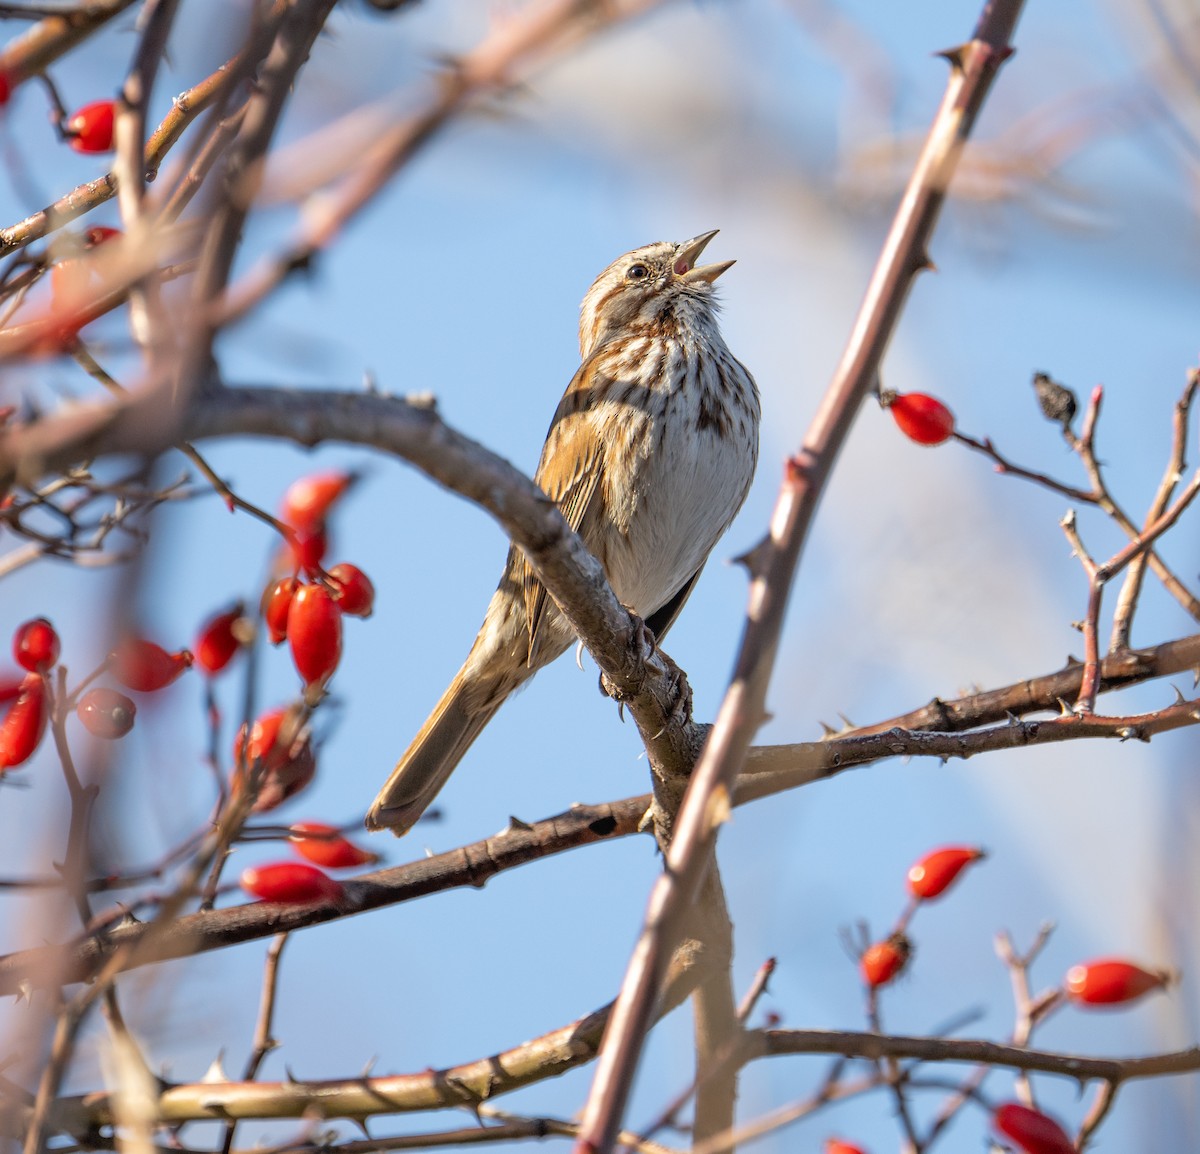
(926, 574)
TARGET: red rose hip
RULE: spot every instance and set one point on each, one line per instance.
(36, 645)
(146, 667)
(1033, 1131)
(292, 882)
(352, 590)
(324, 844)
(882, 962)
(219, 640)
(937, 870)
(25, 722)
(922, 418)
(314, 632)
(1112, 982)
(90, 129)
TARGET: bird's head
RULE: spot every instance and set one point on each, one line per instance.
(639, 287)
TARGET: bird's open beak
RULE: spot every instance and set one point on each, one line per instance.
(686, 254)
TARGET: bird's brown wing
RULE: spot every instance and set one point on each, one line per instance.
(569, 472)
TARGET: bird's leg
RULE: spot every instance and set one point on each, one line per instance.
(643, 646)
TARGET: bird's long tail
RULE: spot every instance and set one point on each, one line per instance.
(457, 720)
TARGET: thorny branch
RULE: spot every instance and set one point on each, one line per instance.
(934, 731)
(958, 729)
(566, 1048)
(905, 253)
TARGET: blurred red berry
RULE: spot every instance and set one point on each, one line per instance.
(1112, 982)
(291, 882)
(307, 550)
(98, 234)
(36, 645)
(314, 631)
(69, 279)
(219, 640)
(325, 846)
(275, 606)
(308, 500)
(1033, 1131)
(936, 871)
(11, 685)
(883, 961)
(143, 666)
(352, 590)
(922, 418)
(840, 1146)
(280, 747)
(24, 723)
(90, 129)
(6, 88)
(106, 713)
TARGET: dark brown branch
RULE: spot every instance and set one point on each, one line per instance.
(472, 865)
(851, 1044)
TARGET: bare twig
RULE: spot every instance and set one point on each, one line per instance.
(1132, 585)
(264, 1041)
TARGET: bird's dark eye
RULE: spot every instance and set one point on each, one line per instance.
(637, 272)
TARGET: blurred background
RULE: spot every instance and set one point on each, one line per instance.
(1070, 246)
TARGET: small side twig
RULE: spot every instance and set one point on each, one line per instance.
(264, 1040)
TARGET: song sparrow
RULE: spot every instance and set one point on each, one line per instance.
(649, 456)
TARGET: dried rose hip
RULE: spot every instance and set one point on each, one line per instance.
(106, 713)
(280, 748)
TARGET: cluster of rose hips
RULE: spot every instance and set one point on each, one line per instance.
(277, 748)
(137, 664)
(304, 606)
(297, 883)
(1102, 982)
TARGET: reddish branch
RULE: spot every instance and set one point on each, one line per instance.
(905, 253)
